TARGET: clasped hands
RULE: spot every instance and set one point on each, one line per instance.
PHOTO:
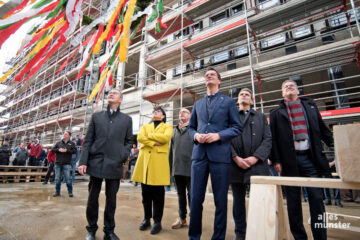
(62, 150)
(245, 163)
(207, 138)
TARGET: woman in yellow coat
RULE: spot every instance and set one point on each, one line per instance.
(152, 168)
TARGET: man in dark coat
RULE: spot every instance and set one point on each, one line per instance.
(106, 147)
(214, 122)
(5, 153)
(63, 149)
(250, 152)
(297, 130)
(180, 163)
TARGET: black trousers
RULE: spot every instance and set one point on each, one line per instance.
(92, 209)
(239, 211)
(317, 209)
(183, 184)
(153, 199)
(32, 161)
(49, 171)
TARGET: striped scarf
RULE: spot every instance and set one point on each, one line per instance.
(297, 120)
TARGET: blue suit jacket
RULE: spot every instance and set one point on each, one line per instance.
(224, 120)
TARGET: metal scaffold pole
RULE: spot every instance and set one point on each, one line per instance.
(250, 58)
(356, 15)
(182, 54)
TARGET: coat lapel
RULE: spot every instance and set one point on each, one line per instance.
(203, 107)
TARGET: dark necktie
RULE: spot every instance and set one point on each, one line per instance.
(209, 105)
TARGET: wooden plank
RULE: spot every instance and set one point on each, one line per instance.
(305, 182)
(346, 140)
(22, 173)
(261, 222)
(282, 217)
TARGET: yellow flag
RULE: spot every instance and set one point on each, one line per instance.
(97, 86)
(8, 73)
(124, 40)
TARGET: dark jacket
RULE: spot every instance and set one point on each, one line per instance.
(180, 152)
(5, 153)
(64, 158)
(283, 149)
(107, 144)
(21, 156)
(255, 140)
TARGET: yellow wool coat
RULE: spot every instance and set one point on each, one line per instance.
(152, 166)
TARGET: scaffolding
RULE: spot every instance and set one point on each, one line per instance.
(52, 100)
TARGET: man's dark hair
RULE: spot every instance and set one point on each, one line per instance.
(213, 69)
(163, 112)
(68, 131)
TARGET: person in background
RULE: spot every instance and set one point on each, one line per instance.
(21, 156)
(152, 168)
(51, 161)
(5, 153)
(35, 151)
(180, 164)
(133, 158)
(41, 158)
(63, 150)
(18, 147)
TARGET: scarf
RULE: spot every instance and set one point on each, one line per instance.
(297, 120)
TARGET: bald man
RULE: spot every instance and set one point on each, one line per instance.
(180, 163)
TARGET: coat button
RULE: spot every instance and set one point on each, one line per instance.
(209, 123)
(149, 151)
(253, 134)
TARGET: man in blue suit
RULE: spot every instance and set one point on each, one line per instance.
(214, 122)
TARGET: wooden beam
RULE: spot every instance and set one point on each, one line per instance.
(305, 182)
(22, 174)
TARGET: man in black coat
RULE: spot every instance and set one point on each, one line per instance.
(63, 151)
(106, 147)
(5, 153)
(297, 130)
(180, 164)
(250, 152)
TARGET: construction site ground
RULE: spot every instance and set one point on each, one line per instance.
(28, 211)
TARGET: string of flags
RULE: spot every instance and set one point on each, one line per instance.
(57, 21)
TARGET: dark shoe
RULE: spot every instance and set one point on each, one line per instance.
(239, 238)
(145, 224)
(45, 182)
(56, 194)
(156, 228)
(111, 236)
(305, 200)
(90, 236)
(338, 203)
(71, 195)
(327, 202)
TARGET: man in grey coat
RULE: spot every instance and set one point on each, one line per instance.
(106, 147)
(250, 152)
(21, 156)
(180, 163)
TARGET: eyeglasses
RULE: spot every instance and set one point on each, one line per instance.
(289, 86)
